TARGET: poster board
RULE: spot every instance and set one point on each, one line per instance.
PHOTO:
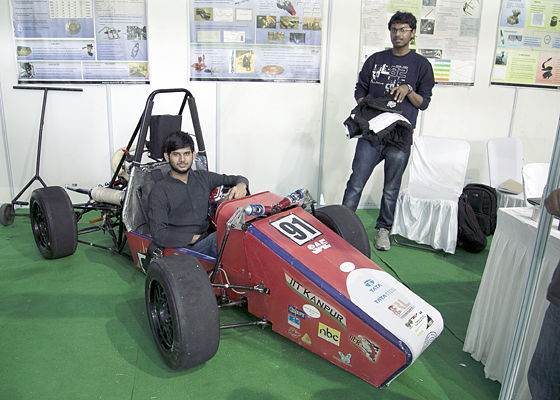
(528, 44)
(255, 40)
(446, 34)
(80, 41)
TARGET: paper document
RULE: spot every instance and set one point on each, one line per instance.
(511, 186)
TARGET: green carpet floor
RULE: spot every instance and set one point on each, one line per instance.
(76, 328)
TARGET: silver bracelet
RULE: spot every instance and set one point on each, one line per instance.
(410, 90)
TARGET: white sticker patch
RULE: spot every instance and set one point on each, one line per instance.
(347, 266)
(311, 311)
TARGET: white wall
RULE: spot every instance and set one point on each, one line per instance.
(276, 134)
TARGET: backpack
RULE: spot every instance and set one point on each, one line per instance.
(483, 200)
(469, 236)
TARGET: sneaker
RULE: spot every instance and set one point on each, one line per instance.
(382, 241)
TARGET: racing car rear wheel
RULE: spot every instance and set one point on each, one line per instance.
(345, 223)
(7, 214)
(53, 222)
(182, 311)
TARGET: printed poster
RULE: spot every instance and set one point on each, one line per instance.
(81, 41)
(528, 44)
(256, 40)
(446, 34)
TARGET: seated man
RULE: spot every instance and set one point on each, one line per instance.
(178, 204)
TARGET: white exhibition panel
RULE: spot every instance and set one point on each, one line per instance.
(281, 135)
(272, 149)
(4, 178)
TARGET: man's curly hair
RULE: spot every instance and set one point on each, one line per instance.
(402, 18)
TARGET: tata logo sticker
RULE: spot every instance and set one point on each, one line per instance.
(366, 346)
(310, 297)
(296, 312)
(329, 334)
(372, 285)
(294, 321)
(319, 246)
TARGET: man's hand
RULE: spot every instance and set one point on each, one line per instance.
(552, 202)
(400, 92)
(195, 238)
(237, 191)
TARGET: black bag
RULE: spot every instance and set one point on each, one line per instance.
(469, 236)
(483, 200)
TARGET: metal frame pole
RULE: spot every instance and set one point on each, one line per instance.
(543, 230)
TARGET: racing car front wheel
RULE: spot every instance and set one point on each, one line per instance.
(53, 222)
(182, 311)
(346, 224)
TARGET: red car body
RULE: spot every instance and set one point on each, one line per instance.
(323, 293)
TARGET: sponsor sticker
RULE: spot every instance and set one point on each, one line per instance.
(295, 311)
(382, 297)
(366, 346)
(294, 321)
(329, 334)
(419, 322)
(318, 246)
(311, 311)
(401, 307)
(316, 301)
(306, 339)
(345, 359)
(294, 333)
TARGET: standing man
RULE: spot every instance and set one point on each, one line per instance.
(544, 371)
(178, 204)
(409, 78)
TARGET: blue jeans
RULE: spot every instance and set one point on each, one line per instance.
(544, 372)
(207, 245)
(366, 158)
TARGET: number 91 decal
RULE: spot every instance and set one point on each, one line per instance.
(296, 229)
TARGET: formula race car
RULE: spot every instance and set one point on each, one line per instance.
(304, 271)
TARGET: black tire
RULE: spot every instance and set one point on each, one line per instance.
(182, 311)
(346, 224)
(53, 222)
(7, 214)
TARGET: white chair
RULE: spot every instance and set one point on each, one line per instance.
(505, 162)
(535, 176)
(426, 211)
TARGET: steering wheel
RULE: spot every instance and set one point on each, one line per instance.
(217, 197)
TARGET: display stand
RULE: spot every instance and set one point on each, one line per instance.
(7, 210)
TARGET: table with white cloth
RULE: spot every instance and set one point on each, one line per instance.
(496, 308)
(510, 200)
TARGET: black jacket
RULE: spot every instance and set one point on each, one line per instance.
(397, 132)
